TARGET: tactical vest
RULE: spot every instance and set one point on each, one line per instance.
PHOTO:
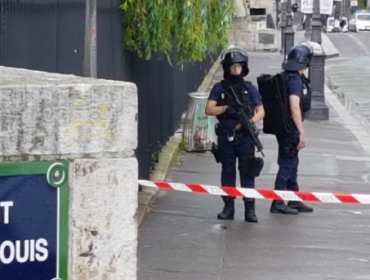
(305, 103)
(305, 99)
(242, 91)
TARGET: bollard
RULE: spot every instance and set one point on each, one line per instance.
(319, 109)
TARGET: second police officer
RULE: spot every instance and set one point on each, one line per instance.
(290, 143)
(233, 143)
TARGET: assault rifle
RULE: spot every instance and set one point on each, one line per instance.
(245, 121)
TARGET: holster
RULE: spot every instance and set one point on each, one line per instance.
(288, 152)
(255, 166)
(217, 130)
(288, 148)
(216, 153)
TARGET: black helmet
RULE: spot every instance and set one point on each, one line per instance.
(299, 57)
(235, 55)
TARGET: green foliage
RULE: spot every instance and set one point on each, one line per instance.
(190, 29)
(362, 4)
(184, 144)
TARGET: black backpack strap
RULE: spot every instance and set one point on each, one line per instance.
(247, 84)
(225, 84)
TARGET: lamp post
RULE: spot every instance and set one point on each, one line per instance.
(283, 5)
(90, 44)
(289, 31)
(316, 24)
(308, 31)
(277, 11)
(319, 110)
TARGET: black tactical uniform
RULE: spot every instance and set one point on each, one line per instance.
(234, 143)
(297, 84)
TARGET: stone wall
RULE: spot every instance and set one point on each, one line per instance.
(92, 124)
(253, 35)
(263, 4)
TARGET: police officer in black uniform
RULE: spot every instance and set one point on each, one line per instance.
(234, 143)
(290, 143)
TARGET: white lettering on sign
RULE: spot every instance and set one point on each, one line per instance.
(42, 253)
(32, 249)
(4, 208)
(24, 251)
(20, 251)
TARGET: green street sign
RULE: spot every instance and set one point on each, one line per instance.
(34, 220)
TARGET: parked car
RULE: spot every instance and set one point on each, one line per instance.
(330, 24)
(360, 21)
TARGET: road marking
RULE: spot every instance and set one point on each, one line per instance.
(357, 259)
(348, 119)
(360, 43)
(352, 158)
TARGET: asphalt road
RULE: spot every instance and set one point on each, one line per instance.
(349, 74)
(351, 44)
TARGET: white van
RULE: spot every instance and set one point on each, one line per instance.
(330, 24)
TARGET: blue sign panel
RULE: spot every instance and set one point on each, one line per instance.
(31, 217)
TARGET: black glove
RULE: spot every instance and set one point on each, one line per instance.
(231, 112)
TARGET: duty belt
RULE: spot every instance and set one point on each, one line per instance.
(229, 132)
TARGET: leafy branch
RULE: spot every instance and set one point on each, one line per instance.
(190, 29)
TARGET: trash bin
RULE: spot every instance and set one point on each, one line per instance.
(199, 129)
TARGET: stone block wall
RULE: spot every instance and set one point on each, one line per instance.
(92, 124)
(253, 36)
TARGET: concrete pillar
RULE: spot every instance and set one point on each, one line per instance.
(89, 127)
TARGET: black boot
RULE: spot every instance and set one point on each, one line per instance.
(299, 206)
(228, 211)
(250, 213)
(278, 206)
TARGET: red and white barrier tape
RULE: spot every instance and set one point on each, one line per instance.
(262, 194)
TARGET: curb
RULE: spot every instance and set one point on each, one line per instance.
(333, 55)
(211, 73)
(167, 158)
(329, 48)
(327, 44)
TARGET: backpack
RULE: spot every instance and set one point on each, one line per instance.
(275, 101)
